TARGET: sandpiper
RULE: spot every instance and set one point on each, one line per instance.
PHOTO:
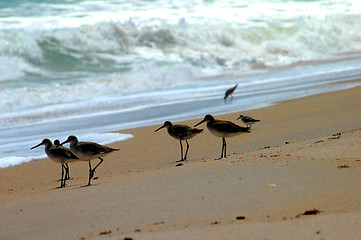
(223, 129)
(57, 144)
(180, 132)
(248, 120)
(59, 155)
(87, 151)
(229, 92)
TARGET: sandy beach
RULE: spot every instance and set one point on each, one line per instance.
(297, 175)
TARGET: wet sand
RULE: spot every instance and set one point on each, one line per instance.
(303, 157)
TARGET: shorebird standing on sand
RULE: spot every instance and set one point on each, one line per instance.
(229, 92)
(58, 154)
(181, 132)
(248, 120)
(87, 151)
(57, 144)
(223, 129)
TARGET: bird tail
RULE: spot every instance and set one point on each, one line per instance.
(197, 130)
(245, 129)
(109, 150)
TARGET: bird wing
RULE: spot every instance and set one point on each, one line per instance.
(230, 127)
(182, 130)
(64, 152)
(248, 119)
(94, 148)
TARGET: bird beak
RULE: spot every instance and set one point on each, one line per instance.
(159, 128)
(36, 146)
(238, 117)
(199, 123)
(61, 144)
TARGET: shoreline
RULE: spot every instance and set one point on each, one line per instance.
(175, 104)
(122, 130)
(140, 192)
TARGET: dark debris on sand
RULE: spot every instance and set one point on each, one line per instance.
(309, 212)
(105, 232)
(343, 166)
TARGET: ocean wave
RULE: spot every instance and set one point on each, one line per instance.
(69, 51)
(221, 45)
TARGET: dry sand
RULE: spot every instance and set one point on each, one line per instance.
(303, 155)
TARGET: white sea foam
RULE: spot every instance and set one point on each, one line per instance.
(13, 160)
(222, 36)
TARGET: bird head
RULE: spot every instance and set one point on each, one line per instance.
(71, 139)
(166, 124)
(207, 118)
(46, 142)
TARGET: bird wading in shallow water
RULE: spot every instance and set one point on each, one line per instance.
(59, 155)
(181, 132)
(86, 151)
(248, 120)
(229, 92)
(223, 129)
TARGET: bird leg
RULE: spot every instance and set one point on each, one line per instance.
(67, 177)
(62, 175)
(62, 180)
(101, 160)
(92, 171)
(182, 159)
(224, 148)
(185, 157)
(222, 151)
